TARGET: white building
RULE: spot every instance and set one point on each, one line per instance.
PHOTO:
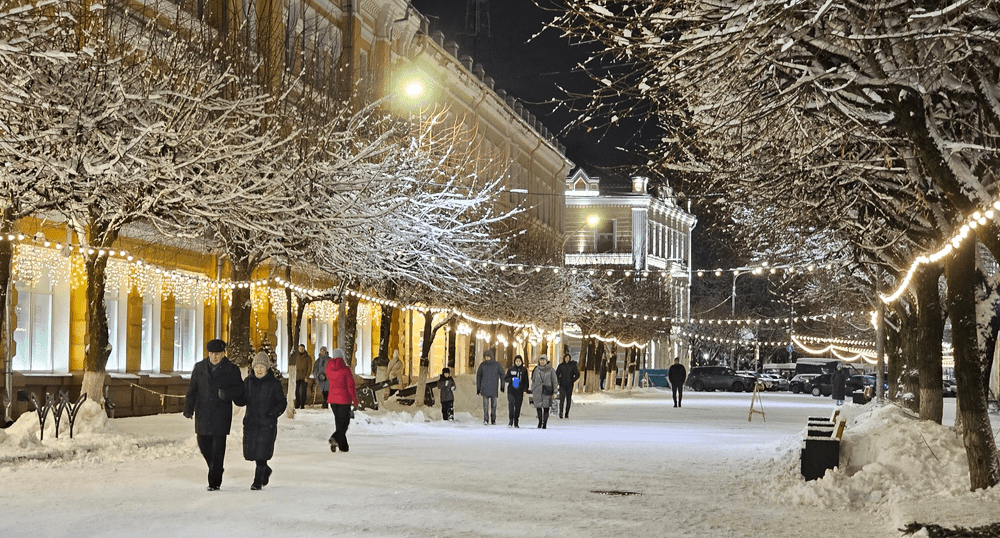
(636, 230)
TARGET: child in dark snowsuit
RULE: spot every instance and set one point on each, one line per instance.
(446, 384)
(265, 403)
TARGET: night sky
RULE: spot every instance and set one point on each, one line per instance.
(532, 72)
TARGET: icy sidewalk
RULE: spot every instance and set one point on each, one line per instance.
(701, 470)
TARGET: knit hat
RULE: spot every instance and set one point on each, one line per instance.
(216, 346)
(338, 353)
(446, 370)
(489, 353)
(543, 358)
(261, 359)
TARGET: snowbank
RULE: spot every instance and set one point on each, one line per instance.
(887, 457)
(94, 439)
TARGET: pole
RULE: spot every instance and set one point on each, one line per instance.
(736, 275)
(880, 339)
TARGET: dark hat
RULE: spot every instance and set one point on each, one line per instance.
(216, 346)
(489, 353)
(446, 370)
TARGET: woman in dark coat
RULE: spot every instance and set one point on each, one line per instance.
(839, 380)
(265, 403)
(517, 383)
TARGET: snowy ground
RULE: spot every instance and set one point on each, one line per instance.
(702, 470)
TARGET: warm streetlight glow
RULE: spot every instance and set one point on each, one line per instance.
(592, 220)
(413, 89)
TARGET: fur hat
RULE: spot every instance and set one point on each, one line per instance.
(261, 359)
(216, 346)
(338, 353)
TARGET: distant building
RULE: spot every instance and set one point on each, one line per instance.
(633, 229)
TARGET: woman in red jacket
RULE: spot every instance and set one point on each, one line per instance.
(342, 397)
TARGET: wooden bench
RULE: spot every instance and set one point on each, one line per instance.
(821, 446)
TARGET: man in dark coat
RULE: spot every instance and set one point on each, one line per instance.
(677, 375)
(489, 385)
(216, 384)
(266, 402)
(839, 380)
(567, 373)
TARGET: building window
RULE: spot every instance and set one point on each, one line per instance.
(116, 360)
(33, 333)
(604, 236)
(185, 342)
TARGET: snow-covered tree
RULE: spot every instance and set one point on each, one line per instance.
(899, 103)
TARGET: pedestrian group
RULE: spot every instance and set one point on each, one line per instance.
(216, 384)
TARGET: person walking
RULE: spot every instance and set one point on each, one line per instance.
(489, 379)
(839, 380)
(516, 379)
(543, 386)
(446, 384)
(567, 373)
(677, 375)
(303, 367)
(319, 372)
(342, 395)
(216, 384)
(265, 401)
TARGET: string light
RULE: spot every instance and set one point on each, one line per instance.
(976, 219)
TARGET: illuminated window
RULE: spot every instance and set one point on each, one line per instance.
(33, 333)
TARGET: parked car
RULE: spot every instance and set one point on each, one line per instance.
(777, 382)
(823, 385)
(719, 378)
(950, 389)
(798, 383)
(760, 378)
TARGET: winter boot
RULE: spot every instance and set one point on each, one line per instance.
(545, 419)
(267, 476)
(539, 410)
(333, 445)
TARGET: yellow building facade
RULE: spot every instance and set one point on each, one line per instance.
(166, 298)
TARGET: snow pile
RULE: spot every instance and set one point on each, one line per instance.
(887, 456)
(94, 439)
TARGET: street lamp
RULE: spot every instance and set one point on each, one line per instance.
(591, 221)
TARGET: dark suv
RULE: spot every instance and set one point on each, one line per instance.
(823, 385)
(719, 378)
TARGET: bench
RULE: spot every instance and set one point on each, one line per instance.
(821, 445)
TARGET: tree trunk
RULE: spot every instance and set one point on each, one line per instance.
(452, 336)
(472, 348)
(980, 447)
(351, 330)
(612, 366)
(600, 366)
(927, 345)
(98, 343)
(6, 349)
(425, 358)
(385, 330)
(239, 349)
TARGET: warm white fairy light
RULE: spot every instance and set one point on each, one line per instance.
(973, 221)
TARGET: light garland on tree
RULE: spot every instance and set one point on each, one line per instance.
(977, 219)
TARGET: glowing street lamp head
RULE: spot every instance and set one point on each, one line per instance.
(592, 220)
(413, 89)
